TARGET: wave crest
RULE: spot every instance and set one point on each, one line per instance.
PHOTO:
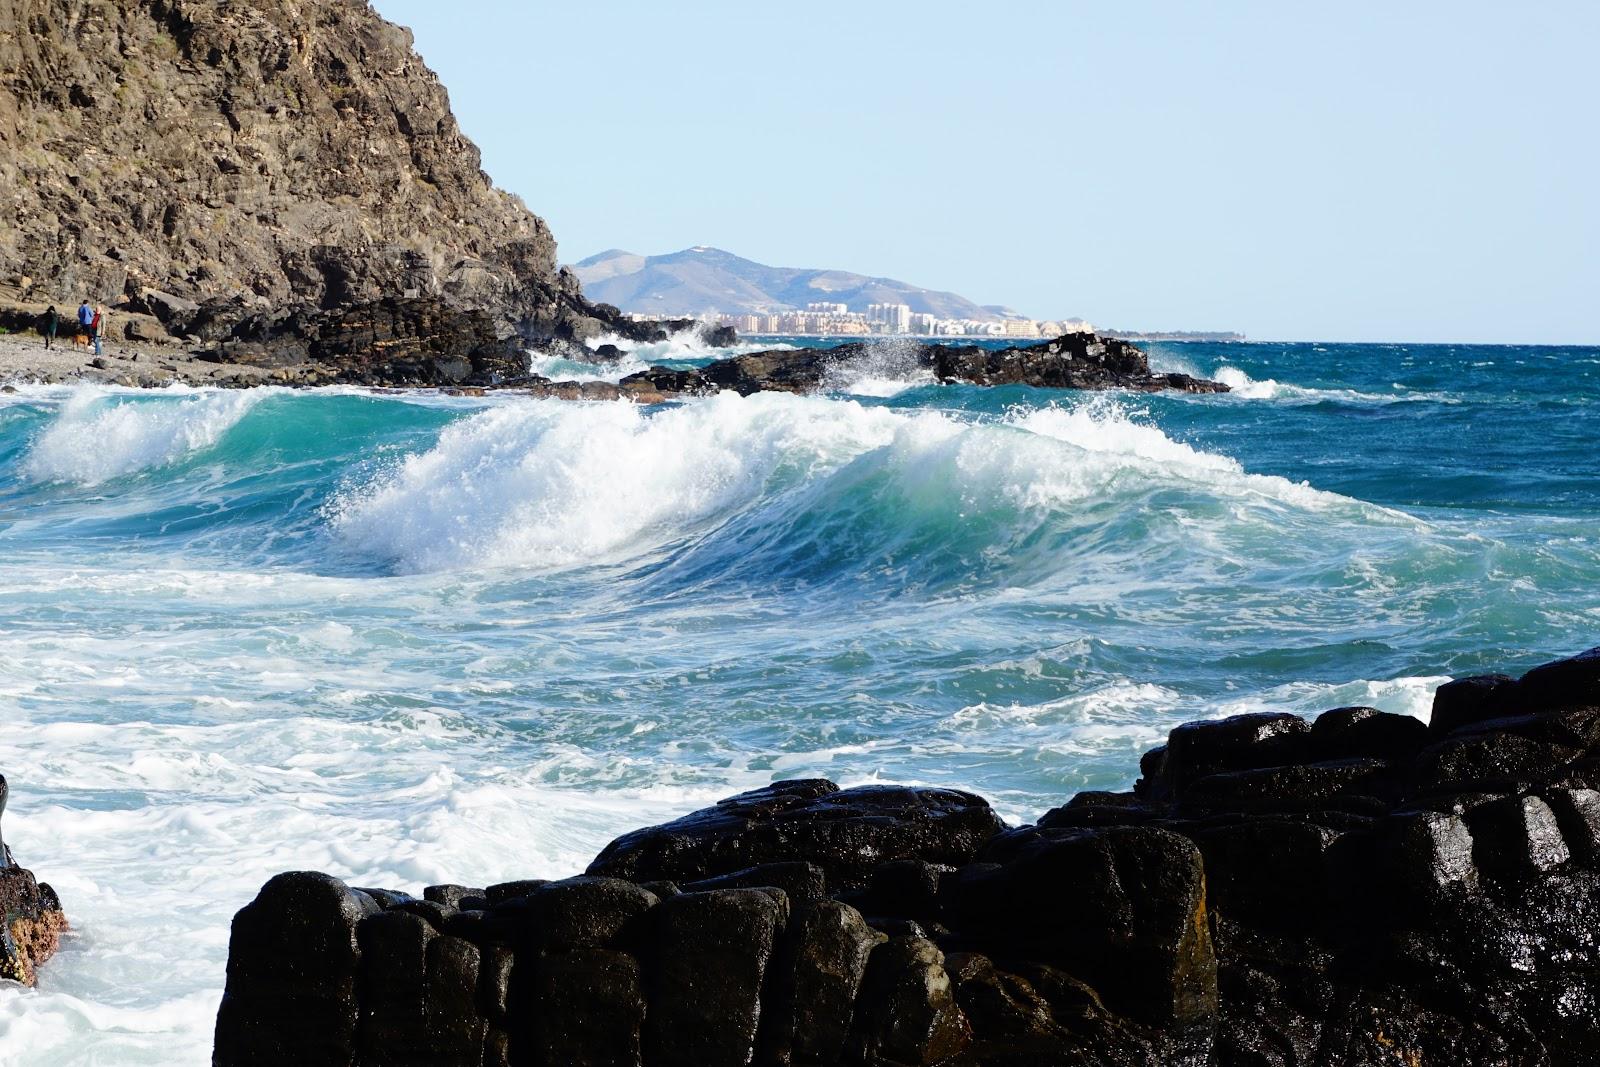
(780, 481)
(103, 434)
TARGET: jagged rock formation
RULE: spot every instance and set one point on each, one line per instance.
(211, 162)
(31, 920)
(1072, 361)
(1361, 889)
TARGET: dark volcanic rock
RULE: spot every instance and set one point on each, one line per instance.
(844, 834)
(1469, 700)
(1072, 361)
(577, 913)
(293, 962)
(1357, 890)
(31, 919)
(817, 976)
(1242, 742)
(907, 1011)
(711, 952)
(584, 1006)
(1123, 908)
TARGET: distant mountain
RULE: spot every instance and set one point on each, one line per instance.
(701, 279)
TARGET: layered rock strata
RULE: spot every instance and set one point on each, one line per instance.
(224, 166)
(31, 919)
(1363, 888)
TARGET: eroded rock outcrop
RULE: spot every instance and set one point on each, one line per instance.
(1072, 361)
(31, 919)
(267, 167)
(1363, 888)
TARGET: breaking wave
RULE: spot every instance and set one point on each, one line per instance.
(551, 485)
(103, 434)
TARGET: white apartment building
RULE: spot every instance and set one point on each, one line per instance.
(893, 318)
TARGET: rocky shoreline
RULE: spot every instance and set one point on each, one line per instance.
(280, 194)
(346, 354)
(1363, 888)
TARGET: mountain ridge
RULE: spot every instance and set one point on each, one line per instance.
(703, 279)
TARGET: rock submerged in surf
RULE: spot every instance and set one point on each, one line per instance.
(1072, 361)
(31, 919)
(1360, 889)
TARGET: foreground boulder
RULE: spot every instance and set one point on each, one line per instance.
(1361, 889)
(847, 834)
(31, 919)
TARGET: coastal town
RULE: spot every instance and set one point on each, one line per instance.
(825, 319)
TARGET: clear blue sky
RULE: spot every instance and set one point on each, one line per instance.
(1423, 171)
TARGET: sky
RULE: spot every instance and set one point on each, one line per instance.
(1424, 171)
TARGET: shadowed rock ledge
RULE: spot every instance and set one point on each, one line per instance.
(31, 912)
(1359, 889)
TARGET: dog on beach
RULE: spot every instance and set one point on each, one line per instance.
(81, 339)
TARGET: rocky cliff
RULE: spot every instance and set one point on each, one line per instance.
(1363, 889)
(216, 162)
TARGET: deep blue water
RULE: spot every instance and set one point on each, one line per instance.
(410, 639)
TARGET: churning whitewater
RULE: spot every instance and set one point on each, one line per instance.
(413, 638)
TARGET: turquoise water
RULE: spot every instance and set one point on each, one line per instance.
(410, 638)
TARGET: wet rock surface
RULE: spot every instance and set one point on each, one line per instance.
(1271, 891)
(31, 919)
(1072, 361)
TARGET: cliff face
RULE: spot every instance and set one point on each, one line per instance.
(251, 156)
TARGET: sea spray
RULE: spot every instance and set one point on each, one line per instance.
(102, 434)
(799, 484)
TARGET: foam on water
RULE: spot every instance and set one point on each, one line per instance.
(419, 638)
(684, 348)
(1241, 384)
(888, 368)
(549, 484)
(101, 434)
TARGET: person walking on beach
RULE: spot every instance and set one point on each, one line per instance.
(94, 328)
(51, 320)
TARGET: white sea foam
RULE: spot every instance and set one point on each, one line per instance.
(1241, 384)
(889, 366)
(101, 434)
(206, 815)
(682, 346)
(685, 346)
(1404, 696)
(560, 368)
(551, 484)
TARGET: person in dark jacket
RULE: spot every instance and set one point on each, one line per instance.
(51, 321)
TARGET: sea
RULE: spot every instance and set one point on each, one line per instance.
(410, 638)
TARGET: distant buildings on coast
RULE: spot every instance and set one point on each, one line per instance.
(825, 319)
(829, 319)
